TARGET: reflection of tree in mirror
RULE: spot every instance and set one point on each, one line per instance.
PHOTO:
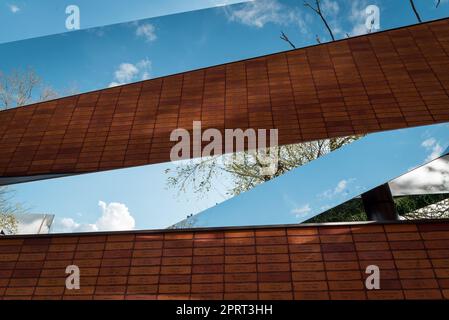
(8, 209)
(198, 175)
(432, 206)
(19, 88)
(424, 207)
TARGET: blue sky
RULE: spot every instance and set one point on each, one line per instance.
(330, 180)
(91, 59)
(29, 19)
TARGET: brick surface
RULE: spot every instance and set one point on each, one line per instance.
(233, 264)
(388, 80)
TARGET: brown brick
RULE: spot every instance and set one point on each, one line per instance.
(347, 295)
(240, 287)
(422, 294)
(310, 286)
(312, 295)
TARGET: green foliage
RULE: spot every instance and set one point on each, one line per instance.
(405, 205)
(8, 223)
(353, 210)
(346, 212)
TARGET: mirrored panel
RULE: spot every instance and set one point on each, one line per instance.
(151, 196)
(329, 181)
(432, 178)
(26, 19)
(91, 59)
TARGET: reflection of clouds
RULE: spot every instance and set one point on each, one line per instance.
(13, 8)
(33, 223)
(431, 178)
(358, 17)
(340, 189)
(433, 147)
(302, 212)
(128, 72)
(147, 31)
(115, 217)
(258, 13)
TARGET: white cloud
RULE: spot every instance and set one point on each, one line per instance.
(428, 143)
(341, 188)
(128, 72)
(13, 8)
(302, 211)
(433, 147)
(148, 31)
(330, 7)
(431, 178)
(260, 12)
(358, 17)
(115, 217)
(68, 225)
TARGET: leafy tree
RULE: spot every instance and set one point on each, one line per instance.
(18, 88)
(429, 206)
(199, 174)
(8, 222)
(408, 207)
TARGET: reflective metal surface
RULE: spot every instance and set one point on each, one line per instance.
(330, 180)
(433, 178)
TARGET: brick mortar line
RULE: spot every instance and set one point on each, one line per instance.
(128, 275)
(21, 136)
(87, 129)
(412, 81)
(110, 126)
(440, 289)
(43, 135)
(99, 269)
(316, 94)
(446, 90)
(394, 261)
(12, 273)
(360, 269)
(356, 67)
(339, 88)
(134, 120)
(381, 69)
(156, 114)
(294, 96)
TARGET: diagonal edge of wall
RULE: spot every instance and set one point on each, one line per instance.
(387, 80)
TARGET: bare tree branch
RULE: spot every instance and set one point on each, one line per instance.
(412, 3)
(198, 174)
(318, 11)
(16, 89)
(286, 39)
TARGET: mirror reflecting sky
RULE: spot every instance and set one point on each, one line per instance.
(138, 198)
(432, 178)
(330, 180)
(29, 18)
(96, 58)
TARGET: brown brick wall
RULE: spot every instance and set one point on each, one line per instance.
(305, 262)
(386, 80)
